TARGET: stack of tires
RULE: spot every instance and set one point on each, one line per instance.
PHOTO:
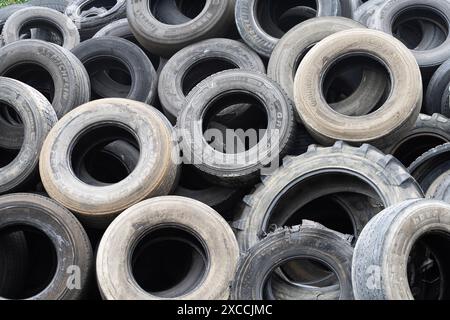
(236, 149)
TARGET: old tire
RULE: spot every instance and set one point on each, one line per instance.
(65, 232)
(315, 243)
(398, 113)
(155, 174)
(429, 166)
(38, 117)
(100, 53)
(215, 20)
(264, 40)
(35, 16)
(92, 20)
(428, 133)
(295, 44)
(379, 176)
(193, 64)
(242, 168)
(380, 258)
(68, 76)
(185, 218)
(390, 11)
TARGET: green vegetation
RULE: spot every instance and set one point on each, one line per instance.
(4, 3)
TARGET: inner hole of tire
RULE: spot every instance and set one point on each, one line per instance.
(114, 78)
(35, 76)
(299, 202)
(9, 117)
(345, 76)
(202, 70)
(96, 163)
(428, 267)
(169, 262)
(235, 122)
(190, 8)
(107, 4)
(42, 30)
(278, 17)
(191, 180)
(414, 24)
(36, 261)
(308, 276)
(413, 147)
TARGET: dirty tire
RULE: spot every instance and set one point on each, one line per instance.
(69, 77)
(379, 260)
(92, 20)
(249, 25)
(6, 12)
(140, 69)
(428, 132)
(155, 174)
(62, 228)
(440, 188)
(245, 167)
(390, 180)
(388, 12)
(121, 29)
(429, 166)
(170, 213)
(38, 117)
(313, 242)
(437, 96)
(36, 16)
(398, 113)
(295, 44)
(179, 75)
(215, 20)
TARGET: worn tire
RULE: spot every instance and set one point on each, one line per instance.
(386, 14)
(66, 233)
(36, 16)
(121, 29)
(38, 117)
(380, 258)
(429, 166)
(142, 73)
(69, 77)
(174, 83)
(93, 19)
(155, 174)
(315, 242)
(398, 113)
(439, 189)
(295, 44)
(193, 217)
(243, 168)
(437, 95)
(388, 180)
(215, 20)
(6, 12)
(259, 39)
(428, 132)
